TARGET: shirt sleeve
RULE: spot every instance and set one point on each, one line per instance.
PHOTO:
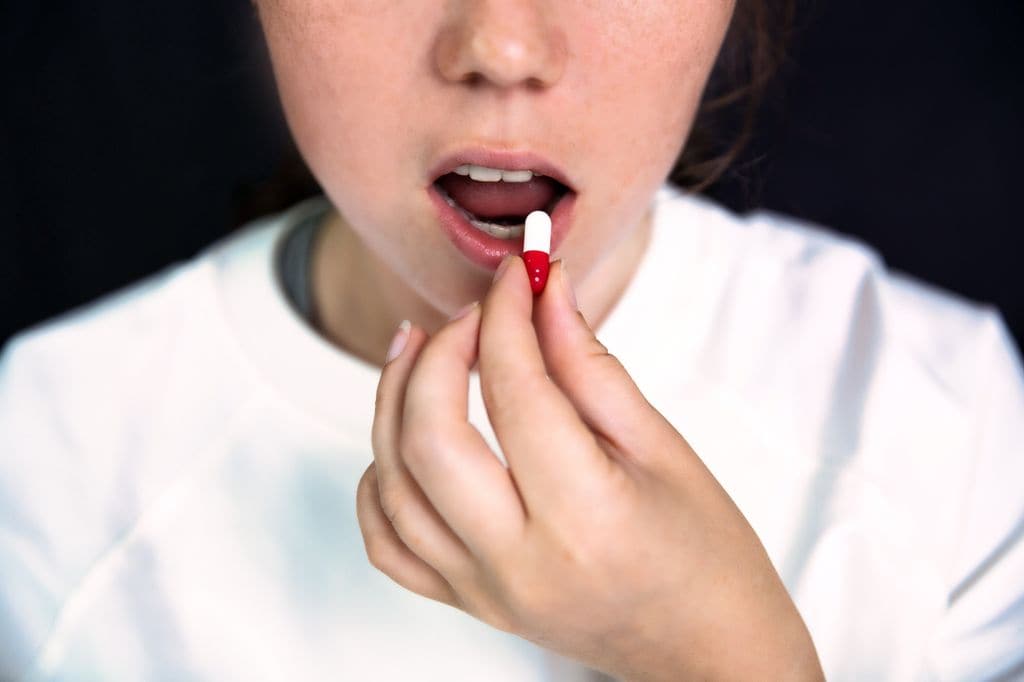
(981, 634)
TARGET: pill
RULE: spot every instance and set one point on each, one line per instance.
(537, 249)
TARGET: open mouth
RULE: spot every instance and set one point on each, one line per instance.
(497, 201)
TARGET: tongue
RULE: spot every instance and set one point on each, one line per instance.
(499, 199)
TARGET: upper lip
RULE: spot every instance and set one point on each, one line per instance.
(496, 158)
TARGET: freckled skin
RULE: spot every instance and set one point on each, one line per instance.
(376, 92)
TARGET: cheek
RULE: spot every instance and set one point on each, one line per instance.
(642, 74)
(649, 72)
(344, 87)
(353, 97)
(645, 70)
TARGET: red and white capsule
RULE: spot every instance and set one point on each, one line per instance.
(537, 249)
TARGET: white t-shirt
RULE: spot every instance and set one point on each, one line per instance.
(179, 460)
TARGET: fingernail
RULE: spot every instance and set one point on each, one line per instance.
(398, 343)
(462, 311)
(501, 268)
(570, 295)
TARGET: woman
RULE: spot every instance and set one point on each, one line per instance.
(719, 448)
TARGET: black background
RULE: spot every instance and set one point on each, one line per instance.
(132, 134)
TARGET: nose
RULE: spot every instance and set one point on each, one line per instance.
(503, 42)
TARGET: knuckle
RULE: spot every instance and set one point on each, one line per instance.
(477, 600)
(608, 362)
(407, 531)
(369, 474)
(363, 489)
(572, 551)
(595, 365)
(579, 542)
(390, 501)
(598, 348)
(519, 588)
(380, 555)
(402, 514)
(528, 601)
(497, 617)
(401, 518)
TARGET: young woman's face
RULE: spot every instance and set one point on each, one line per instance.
(378, 93)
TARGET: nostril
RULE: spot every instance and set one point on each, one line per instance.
(501, 44)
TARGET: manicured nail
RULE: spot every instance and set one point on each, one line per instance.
(570, 295)
(398, 343)
(463, 311)
(501, 268)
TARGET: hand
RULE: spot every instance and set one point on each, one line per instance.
(605, 539)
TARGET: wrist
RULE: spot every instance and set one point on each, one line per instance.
(780, 649)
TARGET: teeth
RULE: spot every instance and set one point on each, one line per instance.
(493, 229)
(481, 174)
(516, 176)
(500, 231)
(485, 174)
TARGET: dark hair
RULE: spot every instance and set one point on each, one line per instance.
(753, 50)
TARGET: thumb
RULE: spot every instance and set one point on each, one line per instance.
(599, 387)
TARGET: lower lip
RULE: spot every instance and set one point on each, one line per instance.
(485, 250)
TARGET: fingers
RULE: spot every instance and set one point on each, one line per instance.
(456, 469)
(386, 551)
(593, 380)
(410, 513)
(453, 463)
(550, 451)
